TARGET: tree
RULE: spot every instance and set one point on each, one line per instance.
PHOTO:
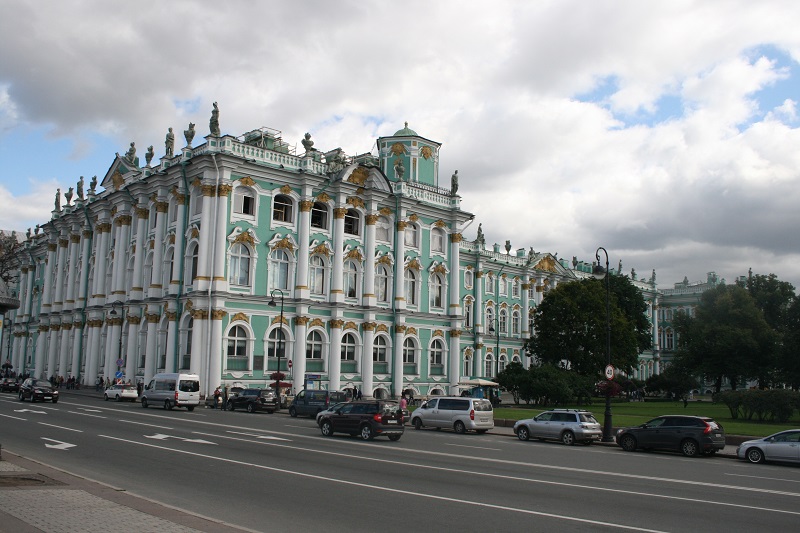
(512, 379)
(727, 337)
(788, 364)
(9, 262)
(570, 326)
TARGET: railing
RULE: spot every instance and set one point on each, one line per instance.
(236, 363)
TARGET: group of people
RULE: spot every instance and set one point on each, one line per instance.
(69, 383)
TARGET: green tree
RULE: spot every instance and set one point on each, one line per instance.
(9, 262)
(726, 338)
(512, 379)
(570, 326)
(788, 364)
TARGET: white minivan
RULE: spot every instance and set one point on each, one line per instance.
(459, 413)
(172, 390)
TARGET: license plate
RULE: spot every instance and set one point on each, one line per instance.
(717, 435)
(484, 419)
(48, 397)
(391, 421)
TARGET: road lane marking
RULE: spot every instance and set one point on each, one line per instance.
(61, 427)
(266, 437)
(161, 436)
(395, 491)
(146, 424)
(475, 447)
(30, 411)
(15, 417)
(768, 478)
(60, 445)
(86, 414)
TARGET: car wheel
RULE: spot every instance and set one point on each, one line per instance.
(628, 443)
(55, 401)
(167, 405)
(459, 427)
(366, 433)
(568, 438)
(417, 423)
(754, 455)
(119, 398)
(230, 406)
(689, 448)
(293, 412)
(21, 397)
(251, 408)
(144, 403)
(326, 428)
(523, 433)
(394, 437)
(105, 397)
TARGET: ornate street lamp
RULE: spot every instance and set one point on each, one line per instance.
(600, 273)
(122, 322)
(280, 344)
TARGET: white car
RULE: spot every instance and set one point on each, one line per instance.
(121, 392)
(781, 447)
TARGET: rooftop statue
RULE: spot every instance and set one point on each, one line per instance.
(169, 143)
(480, 238)
(213, 124)
(93, 184)
(148, 156)
(58, 199)
(336, 162)
(68, 195)
(633, 274)
(36, 230)
(80, 188)
(189, 134)
(308, 144)
(130, 155)
(454, 183)
(399, 169)
(28, 233)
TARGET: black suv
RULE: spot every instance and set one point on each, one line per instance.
(691, 435)
(368, 419)
(254, 400)
(37, 390)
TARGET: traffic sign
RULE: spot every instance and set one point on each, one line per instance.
(289, 363)
(118, 374)
(120, 362)
(609, 372)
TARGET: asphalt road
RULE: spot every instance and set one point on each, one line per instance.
(276, 473)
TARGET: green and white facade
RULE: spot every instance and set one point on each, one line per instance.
(172, 266)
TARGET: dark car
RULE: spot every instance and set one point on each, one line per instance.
(311, 402)
(253, 400)
(690, 435)
(37, 390)
(9, 385)
(368, 419)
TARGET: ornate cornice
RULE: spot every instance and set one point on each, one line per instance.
(358, 176)
(306, 205)
(240, 317)
(224, 190)
(316, 322)
(336, 323)
(455, 332)
(369, 326)
(401, 225)
(218, 314)
(456, 237)
(339, 212)
(301, 320)
(399, 328)
(277, 320)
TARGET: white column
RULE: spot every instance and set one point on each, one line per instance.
(399, 269)
(215, 352)
(47, 294)
(52, 350)
(131, 348)
(299, 358)
(75, 362)
(199, 324)
(478, 312)
(335, 355)
(18, 357)
(123, 236)
(113, 330)
(369, 299)
(60, 261)
(83, 281)
(205, 259)
(156, 288)
(151, 353)
(180, 239)
(64, 346)
(72, 282)
(172, 330)
(455, 274)
(101, 253)
(337, 282)
(26, 286)
(90, 376)
(397, 360)
(303, 238)
(367, 373)
(138, 284)
(220, 281)
(41, 345)
(454, 361)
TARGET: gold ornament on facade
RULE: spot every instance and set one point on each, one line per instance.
(142, 212)
(171, 316)
(479, 274)
(86, 233)
(355, 201)
(401, 225)
(224, 190)
(411, 331)
(504, 305)
(351, 325)
(457, 237)
(171, 238)
(399, 328)
(284, 243)
(43, 328)
(286, 189)
(195, 233)
(324, 198)
(339, 212)
(245, 237)
(75, 238)
(199, 314)
(152, 318)
(413, 264)
(134, 319)
(369, 326)
(162, 207)
(52, 247)
(247, 180)
(189, 304)
(306, 205)
(385, 260)
(547, 263)
(455, 333)
(113, 211)
(468, 352)
(385, 211)
(526, 286)
(479, 346)
(336, 323)
(398, 149)
(196, 183)
(382, 327)
(277, 320)
(440, 269)
(208, 190)
(151, 244)
(301, 320)
(413, 218)
(317, 323)
(240, 317)
(63, 243)
(358, 176)
(426, 152)
(219, 314)
(440, 223)
(355, 253)
(539, 288)
(117, 179)
(370, 220)
(321, 249)
(437, 333)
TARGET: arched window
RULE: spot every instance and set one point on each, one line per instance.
(282, 209)
(490, 283)
(468, 365)
(191, 263)
(503, 321)
(350, 279)
(411, 235)
(382, 287)
(502, 364)
(516, 288)
(147, 272)
(383, 229)
(240, 265)
(197, 204)
(411, 287)
(488, 370)
(380, 348)
(186, 357)
(669, 344)
(531, 312)
(316, 275)
(469, 276)
(468, 312)
(409, 351)
(244, 201)
(437, 353)
(314, 345)
(437, 240)
(237, 349)
(502, 284)
(489, 317)
(319, 215)
(349, 347)
(279, 273)
(352, 222)
(276, 343)
(515, 323)
(436, 290)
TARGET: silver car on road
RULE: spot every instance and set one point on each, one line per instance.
(782, 447)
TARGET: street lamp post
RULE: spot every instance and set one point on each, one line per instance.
(280, 344)
(599, 273)
(122, 322)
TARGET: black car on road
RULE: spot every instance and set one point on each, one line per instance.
(37, 390)
(367, 419)
(690, 435)
(253, 400)
(9, 385)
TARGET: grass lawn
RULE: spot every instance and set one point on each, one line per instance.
(635, 413)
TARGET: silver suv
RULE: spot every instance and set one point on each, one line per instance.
(567, 425)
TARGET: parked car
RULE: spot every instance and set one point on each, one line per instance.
(9, 385)
(253, 400)
(690, 435)
(567, 425)
(311, 402)
(329, 409)
(37, 390)
(782, 447)
(172, 390)
(460, 414)
(121, 391)
(368, 419)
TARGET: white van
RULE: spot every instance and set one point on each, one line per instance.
(460, 413)
(172, 390)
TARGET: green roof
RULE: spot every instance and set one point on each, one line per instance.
(405, 132)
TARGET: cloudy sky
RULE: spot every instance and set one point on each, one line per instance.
(666, 132)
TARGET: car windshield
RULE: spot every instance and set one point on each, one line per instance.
(390, 409)
(589, 418)
(40, 383)
(482, 405)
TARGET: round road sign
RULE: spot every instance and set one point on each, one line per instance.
(289, 363)
(609, 372)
